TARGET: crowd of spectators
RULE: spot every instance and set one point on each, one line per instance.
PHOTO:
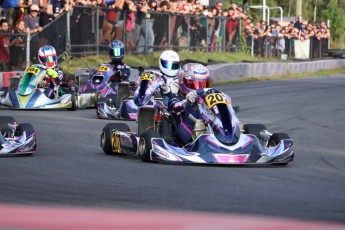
(275, 39)
(149, 25)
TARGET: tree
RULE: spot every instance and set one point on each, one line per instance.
(336, 16)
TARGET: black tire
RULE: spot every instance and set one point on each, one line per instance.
(24, 127)
(166, 131)
(254, 129)
(97, 98)
(4, 120)
(74, 102)
(276, 138)
(145, 144)
(106, 135)
(122, 94)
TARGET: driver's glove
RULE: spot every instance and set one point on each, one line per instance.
(165, 88)
(52, 73)
(191, 96)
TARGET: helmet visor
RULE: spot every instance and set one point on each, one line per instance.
(198, 84)
(47, 59)
(117, 52)
(170, 65)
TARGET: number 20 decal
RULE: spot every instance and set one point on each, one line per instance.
(215, 98)
(115, 139)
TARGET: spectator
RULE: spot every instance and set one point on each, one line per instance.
(280, 41)
(121, 7)
(214, 27)
(161, 25)
(47, 15)
(58, 6)
(32, 20)
(232, 26)
(4, 46)
(130, 23)
(17, 49)
(258, 34)
(146, 39)
(11, 9)
(299, 23)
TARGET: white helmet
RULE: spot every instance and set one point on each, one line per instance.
(169, 62)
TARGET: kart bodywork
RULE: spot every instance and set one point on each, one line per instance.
(16, 139)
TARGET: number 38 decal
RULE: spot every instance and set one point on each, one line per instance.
(215, 98)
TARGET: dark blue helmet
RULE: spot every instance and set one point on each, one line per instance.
(116, 50)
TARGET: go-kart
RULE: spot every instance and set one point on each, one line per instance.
(28, 93)
(218, 136)
(16, 139)
(94, 85)
(125, 105)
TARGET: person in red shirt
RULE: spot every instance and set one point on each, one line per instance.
(4, 46)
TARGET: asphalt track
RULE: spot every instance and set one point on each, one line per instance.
(70, 169)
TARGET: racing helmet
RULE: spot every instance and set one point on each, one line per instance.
(193, 76)
(47, 56)
(169, 63)
(116, 50)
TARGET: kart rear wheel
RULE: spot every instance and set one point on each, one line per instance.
(145, 144)
(166, 131)
(276, 138)
(74, 102)
(254, 129)
(4, 120)
(106, 136)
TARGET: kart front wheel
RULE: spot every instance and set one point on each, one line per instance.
(107, 136)
(276, 138)
(4, 121)
(145, 144)
(254, 129)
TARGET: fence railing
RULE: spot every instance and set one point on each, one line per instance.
(88, 31)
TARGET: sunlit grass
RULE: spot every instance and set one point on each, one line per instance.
(152, 59)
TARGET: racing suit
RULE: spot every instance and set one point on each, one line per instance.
(169, 88)
(177, 107)
(122, 73)
(54, 78)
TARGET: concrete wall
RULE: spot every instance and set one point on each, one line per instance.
(234, 71)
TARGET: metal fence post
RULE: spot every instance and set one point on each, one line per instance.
(68, 32)
(97, 30)
(28, 38)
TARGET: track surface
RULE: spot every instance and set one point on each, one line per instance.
(70, 169)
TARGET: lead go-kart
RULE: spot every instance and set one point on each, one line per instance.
(16, 139)
(218, 137)
(27, 92)
(126, 103)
